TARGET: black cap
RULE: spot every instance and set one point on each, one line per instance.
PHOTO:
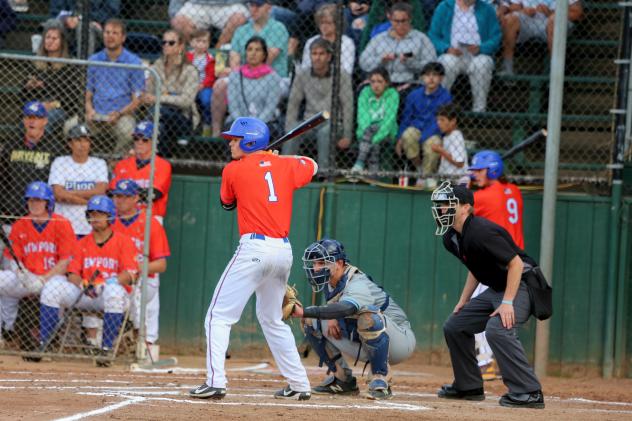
(464, 195)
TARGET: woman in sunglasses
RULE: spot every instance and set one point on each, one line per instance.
(178, 113)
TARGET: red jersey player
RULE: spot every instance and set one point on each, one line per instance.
(131, 222)
(137, 168)
(260, 185)
(114, 255)
(499, 202)
(43, 243)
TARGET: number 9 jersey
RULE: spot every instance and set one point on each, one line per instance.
(502, 203)
(262, 186)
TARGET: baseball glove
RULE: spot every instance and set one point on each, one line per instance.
(289, 301)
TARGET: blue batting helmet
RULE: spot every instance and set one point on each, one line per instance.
(41, 190)
(101, 203)
(254, 133)
(327, 251)
(490, 160)
(144, 130)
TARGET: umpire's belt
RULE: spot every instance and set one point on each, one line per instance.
(255, 236)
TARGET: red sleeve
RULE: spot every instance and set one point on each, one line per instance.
(76, 264)
(66, 238)
(209, 72)
(226, 194)
(162, 178)
(115, 175)
(303, 170)
(128, 255)
(158, 244)
(14, 239)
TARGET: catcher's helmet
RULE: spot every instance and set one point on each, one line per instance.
(41, 190)
(445, 198)
(326, 251)
(101, 203)
(254, 133)
(490, 160)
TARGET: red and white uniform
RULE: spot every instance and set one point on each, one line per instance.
(502, 203)
(127, 168)
(158, 249)
(118, 254)
(262, 185)
(38, 250)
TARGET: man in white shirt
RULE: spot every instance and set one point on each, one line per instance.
(77, 177)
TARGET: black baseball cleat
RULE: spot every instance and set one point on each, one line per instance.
(207, 392)
(379, 389)
(334, 386)
(523, 400)
(448, 391)
(288, 393)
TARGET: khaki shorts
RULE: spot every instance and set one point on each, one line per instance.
(204, 16)
(410, 142)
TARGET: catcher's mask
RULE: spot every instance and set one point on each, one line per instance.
(319, 259)
(445, 199)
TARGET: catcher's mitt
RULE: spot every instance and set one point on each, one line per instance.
(289, 301)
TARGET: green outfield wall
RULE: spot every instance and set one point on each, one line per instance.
(389, 234)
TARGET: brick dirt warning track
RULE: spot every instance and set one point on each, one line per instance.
(77, 390)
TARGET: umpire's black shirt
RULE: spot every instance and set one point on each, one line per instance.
(486, 249)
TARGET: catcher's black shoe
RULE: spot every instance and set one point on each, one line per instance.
(523, 400)
(379, 389)
(334, 386)
(288, 393)
(448, 391)
(207, 392)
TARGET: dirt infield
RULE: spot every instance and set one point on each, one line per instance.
(77, 390)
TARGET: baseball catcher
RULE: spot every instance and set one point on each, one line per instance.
(360, 321)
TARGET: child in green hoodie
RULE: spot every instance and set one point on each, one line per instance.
(377, 119)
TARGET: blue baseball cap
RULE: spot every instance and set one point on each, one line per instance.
(259, 2)
(144, 129)
(125, 187)
(34, 109)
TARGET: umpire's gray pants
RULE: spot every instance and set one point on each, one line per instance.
(473, 318)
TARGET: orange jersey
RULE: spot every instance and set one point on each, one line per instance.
(39, 251)
(127, 168)
(263, 185)
(502, 203)
(135, 229)
(115, 256)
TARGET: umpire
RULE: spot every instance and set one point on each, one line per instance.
(492, 259)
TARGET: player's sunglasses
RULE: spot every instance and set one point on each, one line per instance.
(169, 42)
(142, 139)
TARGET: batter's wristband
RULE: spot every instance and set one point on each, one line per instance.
(510, 302)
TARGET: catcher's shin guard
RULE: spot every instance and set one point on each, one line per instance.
(372, 330)
(318, 342)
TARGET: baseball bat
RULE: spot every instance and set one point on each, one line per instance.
(9, 246)
(524, 143)
(305, 126)
(68, 311)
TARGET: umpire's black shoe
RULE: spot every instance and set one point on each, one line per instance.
(288, 393)
(448, 391)
(207, 392)
(334, 386)
(523, 400)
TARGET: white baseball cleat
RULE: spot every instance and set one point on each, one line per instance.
(288, 393)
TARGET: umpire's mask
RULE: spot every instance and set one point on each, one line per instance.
(319, 259)
(444, 204)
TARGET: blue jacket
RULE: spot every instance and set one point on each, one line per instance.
(420, 111)
(488, 27)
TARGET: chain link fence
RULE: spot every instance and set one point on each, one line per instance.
(73, 262)
(493, 68)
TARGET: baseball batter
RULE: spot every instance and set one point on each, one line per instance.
(260, 185)
(501, 203)
(131, 222)
(114, 255)
(360, 320)
(137, 168)
(43, 242)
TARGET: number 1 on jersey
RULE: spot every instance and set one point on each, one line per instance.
(272, 197)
